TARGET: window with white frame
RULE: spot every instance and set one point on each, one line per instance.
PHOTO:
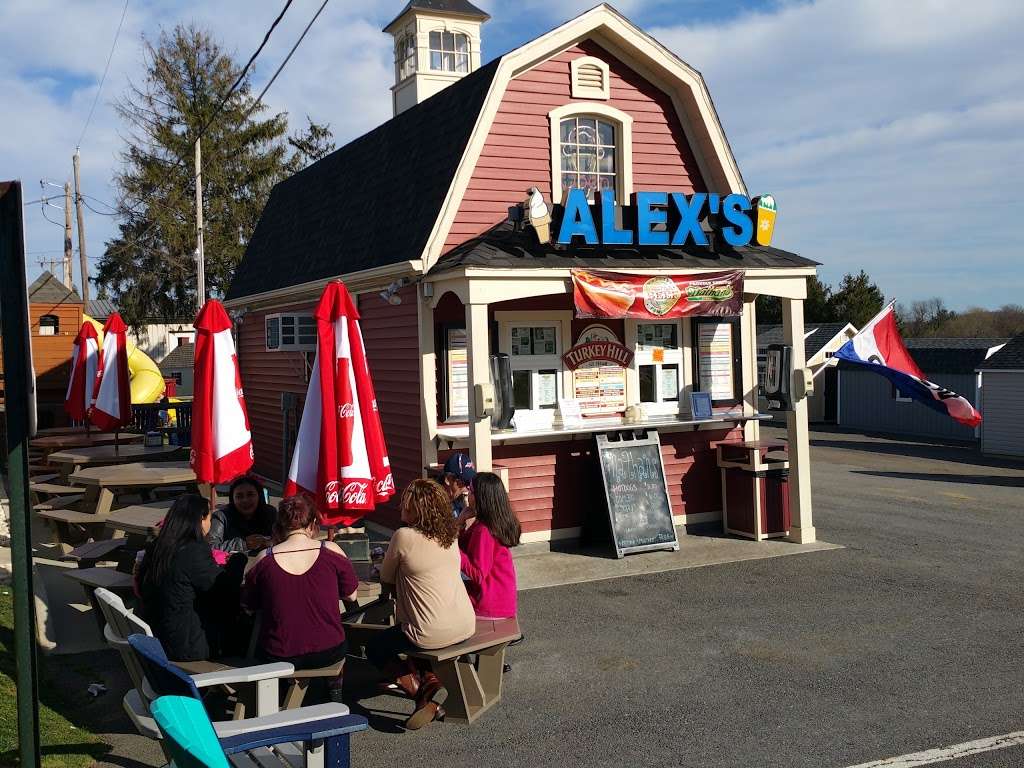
(659, 363)
(405, 56)
(449, 51)
(291, 333)
(534, 348)
(49, 325)
(588, 154)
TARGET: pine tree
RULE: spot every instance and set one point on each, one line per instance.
(857, 299)
(149, 269)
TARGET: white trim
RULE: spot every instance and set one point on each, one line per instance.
(561, 320)
(675, 357)
(552, 534)
(623, 144)
(583, 90)
(295, 346)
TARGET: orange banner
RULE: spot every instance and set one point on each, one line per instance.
(614, 294)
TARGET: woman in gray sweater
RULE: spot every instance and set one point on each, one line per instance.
(246, 522)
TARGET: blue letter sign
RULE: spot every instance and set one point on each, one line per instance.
(577, 221)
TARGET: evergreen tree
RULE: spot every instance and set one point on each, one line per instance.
(149, 269)
(816, 305)
(857, 299)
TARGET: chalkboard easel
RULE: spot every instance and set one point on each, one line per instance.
(634, 485)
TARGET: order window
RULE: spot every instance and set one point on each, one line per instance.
(659, 361)
(536, 366)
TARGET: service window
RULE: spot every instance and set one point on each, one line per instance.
(659, 362)
(455, 391)
(716, 359)
(534, 349)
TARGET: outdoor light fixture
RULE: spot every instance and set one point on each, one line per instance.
(390, 294)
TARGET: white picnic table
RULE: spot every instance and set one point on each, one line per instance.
(103, 484)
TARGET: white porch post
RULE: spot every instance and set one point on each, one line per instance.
(802, 528)
(477, 338)
(428, 381)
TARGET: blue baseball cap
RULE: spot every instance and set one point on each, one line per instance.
(461, 467)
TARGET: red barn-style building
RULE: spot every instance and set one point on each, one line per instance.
(415, 217)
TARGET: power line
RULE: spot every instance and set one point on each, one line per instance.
(110, 56)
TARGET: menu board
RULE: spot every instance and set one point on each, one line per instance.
(456, 373)
(600, 385)
(715, 360)
(637, 494)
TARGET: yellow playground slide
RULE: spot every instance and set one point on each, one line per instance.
(146, 381)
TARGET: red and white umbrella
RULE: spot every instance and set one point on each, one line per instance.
(340, 457)
(85, 362)
(113, 400)
(221, 437)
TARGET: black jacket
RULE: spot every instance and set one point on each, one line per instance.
(228, 529)
(175, 607)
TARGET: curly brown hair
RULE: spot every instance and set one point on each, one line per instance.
(429, 509)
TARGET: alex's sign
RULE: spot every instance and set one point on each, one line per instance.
(664, 219)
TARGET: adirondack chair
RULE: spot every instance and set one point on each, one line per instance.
(297, 735)
(286, 739)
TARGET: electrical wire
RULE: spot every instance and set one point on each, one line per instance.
(110, 56)
(98, 213)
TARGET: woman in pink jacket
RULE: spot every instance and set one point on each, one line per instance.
(486, 559)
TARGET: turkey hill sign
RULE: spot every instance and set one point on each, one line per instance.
(662, 219)
(604, 351)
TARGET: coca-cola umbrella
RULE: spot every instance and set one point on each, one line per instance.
(85, 362)
(340, 458)
(112, 406)
(221, 438)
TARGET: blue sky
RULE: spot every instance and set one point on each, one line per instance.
(889, 132)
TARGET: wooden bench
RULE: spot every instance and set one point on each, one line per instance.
(87, 555)
(52, 489)
(474, 685)
(71, 527)
(59, 502)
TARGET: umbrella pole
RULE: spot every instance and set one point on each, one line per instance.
(117, 438)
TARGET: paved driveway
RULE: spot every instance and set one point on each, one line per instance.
(908, 639)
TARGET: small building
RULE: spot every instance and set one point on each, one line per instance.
(55, 315)
(179, 366)
(870, 403)
(821, 341)
(1002, 404)
(423, 219)
(157, 338)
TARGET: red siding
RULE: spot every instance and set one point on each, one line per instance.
(517, 153)
(391, 335)
(265, 375)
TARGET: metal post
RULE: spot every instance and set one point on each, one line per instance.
(200, 256)
(83, 261)
(17, 374)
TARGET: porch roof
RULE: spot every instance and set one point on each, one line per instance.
(504, 248)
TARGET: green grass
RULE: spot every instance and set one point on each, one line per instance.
(63, 745)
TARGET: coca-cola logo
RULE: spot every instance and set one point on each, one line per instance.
(354, 493)
(252, 456)
(238, 393)
(346, 411)
(331, 492)
(386, 486)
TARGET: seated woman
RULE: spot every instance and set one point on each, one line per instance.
(247, 522)
(486, 559)
(185, 594)
(432, 608)
(297, 585)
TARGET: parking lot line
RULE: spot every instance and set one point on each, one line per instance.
(954, 752)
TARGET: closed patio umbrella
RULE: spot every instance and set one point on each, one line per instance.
(340, 458)
(85, 361)
(112, 408)
(221, 437)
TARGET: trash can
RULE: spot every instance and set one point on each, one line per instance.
(776, 502)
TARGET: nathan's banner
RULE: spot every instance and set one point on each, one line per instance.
(614, 294)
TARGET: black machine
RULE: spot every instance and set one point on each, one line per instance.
(501, 378)
(778, 377)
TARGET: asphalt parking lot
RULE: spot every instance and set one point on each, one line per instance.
(907, 639)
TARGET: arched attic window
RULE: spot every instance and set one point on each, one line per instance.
(405, 56)
(49, 325)
(591, 149)
(449, 51)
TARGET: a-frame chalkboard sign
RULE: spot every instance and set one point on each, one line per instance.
(634, 485)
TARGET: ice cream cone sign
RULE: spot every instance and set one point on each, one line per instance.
(765, 225)
(538, 215)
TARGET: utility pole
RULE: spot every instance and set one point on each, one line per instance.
(68, 279)
(200, 258)
(81, 233)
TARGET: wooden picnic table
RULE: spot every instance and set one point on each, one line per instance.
(103, 484)
(50, 431)
(51, 443)
(74, 459)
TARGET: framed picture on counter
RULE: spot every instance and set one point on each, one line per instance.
(700, 405)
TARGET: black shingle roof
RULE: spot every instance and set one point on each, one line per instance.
(938, 355)
(817, 335)
(47, 289)
(503, 247)
(458, 7)
(371, 203)
(182, 356)
(1009, 358)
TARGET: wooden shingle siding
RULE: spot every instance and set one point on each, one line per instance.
(517, 152)
(1002, 431)
(391, 336)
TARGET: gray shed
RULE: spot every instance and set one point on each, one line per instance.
(1002, 404)
(870, 402)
